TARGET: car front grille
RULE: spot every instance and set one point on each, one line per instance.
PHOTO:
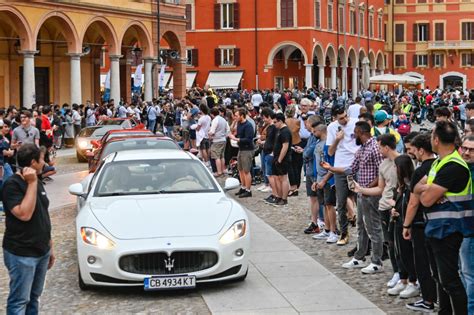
(160, 263)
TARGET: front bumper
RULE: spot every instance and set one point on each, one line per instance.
(105, 271)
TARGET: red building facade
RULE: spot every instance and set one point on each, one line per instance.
(284, 43)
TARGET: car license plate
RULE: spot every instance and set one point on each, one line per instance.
(170, 282)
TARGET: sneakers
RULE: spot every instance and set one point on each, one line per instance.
(333, 238)
(420, 306)
(343, 240)
(321, 236)
(321, 224)
(312, 229)
(266, 189)
(410, 291)
(261, 188)
(280, 202)
(241, 191)
(399, 287)
(393, 282)
(245, 194)
(372, 268)
(353, 264)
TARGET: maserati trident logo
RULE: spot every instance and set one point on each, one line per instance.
(169, 263)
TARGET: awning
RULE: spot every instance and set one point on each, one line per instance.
(395, 78)
(190, 78)
(224, 79)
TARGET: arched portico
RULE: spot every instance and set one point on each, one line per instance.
(319, 62)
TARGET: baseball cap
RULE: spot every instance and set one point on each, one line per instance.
(194, 111)
(381, 116)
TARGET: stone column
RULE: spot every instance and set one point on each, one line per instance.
(321, 76)
(355, 82)
(308, 78)
(372, 73)
(333, 77)
(29, 92)
(148, 79)
(344, 79)
(115, 78)
(76, 88)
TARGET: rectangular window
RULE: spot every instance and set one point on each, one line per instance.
(380, 27)
(466, 59)
(330, 16)
(340, 21)
(286, 13)
(371, 26)
(227, 57)
(422, 60)
(227, 15)
(399, 60)
(189, 57)
(438, 1)
(422, 32)
(438, 60)
(467, 30)
(361, 23)
(399, 33)
(353, 22)
(317, 14)
(189, 13)
(421, 1)
(439, 31)
(399, 1)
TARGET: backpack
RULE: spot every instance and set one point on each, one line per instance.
(404, 129)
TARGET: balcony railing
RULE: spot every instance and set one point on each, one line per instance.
(451, 45)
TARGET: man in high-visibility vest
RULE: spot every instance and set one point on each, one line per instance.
(446, 193)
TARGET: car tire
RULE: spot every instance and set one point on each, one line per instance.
(82, 285)
(80, 158)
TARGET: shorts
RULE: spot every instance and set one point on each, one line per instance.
(244, 160)
(280, 169)
(268, 165)
(217, 150)
(309, 183)
(327, 195)
(192, 134)
(205, 144)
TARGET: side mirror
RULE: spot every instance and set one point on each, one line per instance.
(76, 190)
(95, 143)
(231, 183)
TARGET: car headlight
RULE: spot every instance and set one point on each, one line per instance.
(82, 144)
(92, 237)
(236, 231)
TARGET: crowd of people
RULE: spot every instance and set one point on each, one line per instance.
(409, 193)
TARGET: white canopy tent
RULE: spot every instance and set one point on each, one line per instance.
(395, 79)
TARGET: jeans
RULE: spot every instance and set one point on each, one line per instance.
(404, 253)
(388, 237)
(452, 295)
(342, 192)
(467, 270)
(424, 270)
(151, 125)
(27, 275)
(264, 167)
(369, 227)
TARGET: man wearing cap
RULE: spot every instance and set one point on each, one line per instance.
(382, 121)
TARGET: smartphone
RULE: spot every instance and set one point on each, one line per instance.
(339, 128)
(350, 182)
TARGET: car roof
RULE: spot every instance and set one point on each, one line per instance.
(129, 131)
(134, 137)
(164, 154)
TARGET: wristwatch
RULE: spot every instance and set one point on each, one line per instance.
(407, 226)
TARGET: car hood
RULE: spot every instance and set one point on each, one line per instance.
(177, 215)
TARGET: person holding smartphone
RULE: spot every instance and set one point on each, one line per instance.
(25, 133)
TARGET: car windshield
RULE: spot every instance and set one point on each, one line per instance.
(87, 132)
(138, 144)
(154, 177)
(111, 122)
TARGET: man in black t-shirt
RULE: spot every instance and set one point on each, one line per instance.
(27, 247)
(414, 227)
(281, 160)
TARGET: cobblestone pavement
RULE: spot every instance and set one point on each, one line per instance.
(63, 296)
(290, 221)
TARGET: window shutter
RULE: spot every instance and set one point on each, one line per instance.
(237, 57)
(289, 17)
(217, 57)
(471, 60)
(236, 15)
(471, 33)
(283, 13)
(428, 32)
(194, 54)
(415, 61)
(415, 32)
(188, 16)
(442, 61)
(217, 16)
(432, 60)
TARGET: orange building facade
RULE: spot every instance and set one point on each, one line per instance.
(432, 40)
(284, 43)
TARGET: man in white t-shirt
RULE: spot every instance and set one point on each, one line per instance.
(354, 110)
(342, 144)
(202, 133)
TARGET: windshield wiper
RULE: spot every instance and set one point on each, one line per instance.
(122, 193)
